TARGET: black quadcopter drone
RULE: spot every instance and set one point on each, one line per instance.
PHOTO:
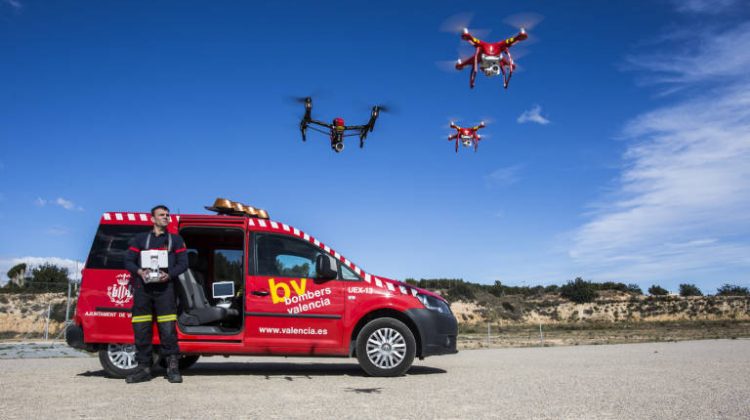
(337, 130)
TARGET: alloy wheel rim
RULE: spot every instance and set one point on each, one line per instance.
(386, 348)
(122, 355)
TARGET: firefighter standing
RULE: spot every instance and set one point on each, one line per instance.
(157, 296)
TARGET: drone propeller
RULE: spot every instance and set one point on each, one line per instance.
(525, 21)
(386, 108)
(457, 23)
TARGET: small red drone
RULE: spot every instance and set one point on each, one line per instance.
(493, 59)
(468, 136)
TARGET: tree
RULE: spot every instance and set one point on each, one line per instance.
(578, 291)
(732, 290)
(690, 290)
(18, 269)
(634, 288)
(49, 277)
(656, 290)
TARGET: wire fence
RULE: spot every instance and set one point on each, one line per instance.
(37, 310)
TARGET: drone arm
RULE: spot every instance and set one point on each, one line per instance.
(320, 123)
(469, 37)
(453, 137)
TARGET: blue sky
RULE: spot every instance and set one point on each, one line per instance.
(620, 151)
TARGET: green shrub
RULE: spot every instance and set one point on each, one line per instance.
(690, 290)
(657, 290)
(578, 291)
(732, 290)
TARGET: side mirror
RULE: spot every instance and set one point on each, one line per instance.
(325, 267)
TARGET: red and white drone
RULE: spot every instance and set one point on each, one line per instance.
(492, 58)
(468, 136)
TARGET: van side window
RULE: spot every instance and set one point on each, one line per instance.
(285, 257)
(110, 244)
(347, 273)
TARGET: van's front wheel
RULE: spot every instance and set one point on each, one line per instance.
(385, 347)
(118, 360)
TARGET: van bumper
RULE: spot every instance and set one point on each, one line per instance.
(74, 338)
(437, 331)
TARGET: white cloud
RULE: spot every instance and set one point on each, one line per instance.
(58, 231)
(682, 203)
(533, 115)
(14, 4)
(708, 55)
(73, 266)
(67, 204)
(704, 6)
(503, 176)
(62, 202)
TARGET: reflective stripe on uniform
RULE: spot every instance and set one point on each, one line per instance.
(166, 318)
(142, 318)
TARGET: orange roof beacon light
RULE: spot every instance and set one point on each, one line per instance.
(235, 208)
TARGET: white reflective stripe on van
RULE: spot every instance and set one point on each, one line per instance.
(390, 287)
(296, 231)
(274, 225)
(357, 270)
(378, 282)
(262, 223)
(285, 227)
(106, 216)
(118, 216)
(144, 218)
(250, 222)
(131, 217)
(367, 277)
(403, 290)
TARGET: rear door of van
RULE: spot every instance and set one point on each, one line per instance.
(105, 301)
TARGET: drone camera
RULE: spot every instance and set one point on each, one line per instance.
(338, 147)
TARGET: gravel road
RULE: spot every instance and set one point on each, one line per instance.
(678, 380)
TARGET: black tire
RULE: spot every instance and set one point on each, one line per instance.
(186, 360)
(118, 360)
(391, 347)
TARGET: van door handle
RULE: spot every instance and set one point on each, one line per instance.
(260, 292)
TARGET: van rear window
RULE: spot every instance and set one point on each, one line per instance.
(110, 244)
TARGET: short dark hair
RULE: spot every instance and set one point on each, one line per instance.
(160, 206)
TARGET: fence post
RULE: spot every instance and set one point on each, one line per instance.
(67, 306)
(541, 335)
(46, 322)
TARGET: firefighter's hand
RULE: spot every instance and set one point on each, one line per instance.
(144, 272)
(163, 276)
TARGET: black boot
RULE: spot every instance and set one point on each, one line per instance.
(173, 369)
(143, 374)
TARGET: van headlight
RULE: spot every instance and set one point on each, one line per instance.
(434, 304)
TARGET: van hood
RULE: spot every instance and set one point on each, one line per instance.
(418, 289)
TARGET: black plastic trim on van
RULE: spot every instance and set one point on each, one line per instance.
(280, 315)
(112, 309)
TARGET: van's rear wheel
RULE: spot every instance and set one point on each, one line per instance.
(385, 347)
(118, 360)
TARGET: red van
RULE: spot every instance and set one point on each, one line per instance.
(259, 287)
